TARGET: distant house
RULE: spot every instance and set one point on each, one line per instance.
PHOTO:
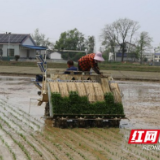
(18, 44)
(156, 57)
(129, 55)
(55, 55)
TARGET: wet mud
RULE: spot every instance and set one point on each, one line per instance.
(25, 134)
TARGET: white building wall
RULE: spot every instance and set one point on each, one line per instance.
(55, 55)
(32, 53)
(10, 46)
(23, 53)
(28, 42)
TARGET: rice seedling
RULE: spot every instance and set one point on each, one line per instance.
(48, 149)
(9, 148)
(23, 116)
(16, 142)
(82, 155)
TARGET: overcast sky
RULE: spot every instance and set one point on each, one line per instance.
(53, 17)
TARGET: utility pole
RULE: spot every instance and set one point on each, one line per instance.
(8, 52)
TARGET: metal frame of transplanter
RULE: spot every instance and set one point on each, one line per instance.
(75, 120)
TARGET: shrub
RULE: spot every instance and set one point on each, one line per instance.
(16, 57)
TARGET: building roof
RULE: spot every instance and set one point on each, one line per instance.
(35, 47)
(14, 38)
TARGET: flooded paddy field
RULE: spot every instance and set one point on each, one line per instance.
(26, 135)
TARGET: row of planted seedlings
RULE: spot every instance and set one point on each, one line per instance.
(24, 115)
(122, 141)
(117, 146)
(13, 112)
(31, 134)
(21, 146)
(64, 142)
(103, 146)
(133, 149)
(41, 143)
(8, 147)
(28, 115)
(83, 144)
(19, 133)
(110, 138)
(20, 112)
(67, 144)
(82, 147)
(51, 151)
(68, 140)
(71, 135)
(142, 154)
(138, 150)
(49, 139)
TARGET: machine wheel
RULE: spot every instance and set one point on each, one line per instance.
(47, 109)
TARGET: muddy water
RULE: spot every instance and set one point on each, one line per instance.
(18, 94)
(141, 100)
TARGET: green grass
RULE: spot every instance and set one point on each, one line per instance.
(129, 67)
(103, 66)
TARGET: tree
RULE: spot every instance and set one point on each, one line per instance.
(16, 57)
(143, 44)
(41, 39)
(71, 40)
(90, 43)
(118, 33)
(74, 40)
(109, 40)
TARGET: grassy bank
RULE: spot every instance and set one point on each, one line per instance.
(103, 66)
